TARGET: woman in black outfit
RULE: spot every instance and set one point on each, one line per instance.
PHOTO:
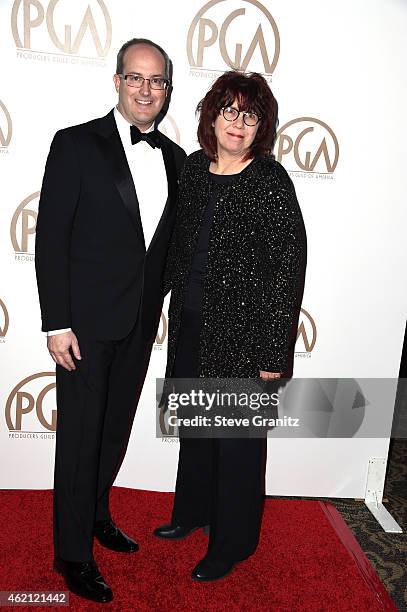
(236, 268)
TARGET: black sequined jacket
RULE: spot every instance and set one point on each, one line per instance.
(255, 269)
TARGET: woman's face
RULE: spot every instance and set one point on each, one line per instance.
(234, 137)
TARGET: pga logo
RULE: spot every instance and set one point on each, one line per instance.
(82, 29)
(307, 144)
(24, 224)
(32, 404)
(233, 35)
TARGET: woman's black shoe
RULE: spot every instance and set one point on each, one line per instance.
(110, 536)
(84, 579)
(176, 532)
(208, 570)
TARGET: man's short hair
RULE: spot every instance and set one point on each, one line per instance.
(142, 41)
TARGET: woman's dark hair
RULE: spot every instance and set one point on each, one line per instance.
(253, 94)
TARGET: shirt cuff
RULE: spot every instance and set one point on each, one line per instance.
(55, 332)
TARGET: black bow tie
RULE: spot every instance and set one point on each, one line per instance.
(153, 138)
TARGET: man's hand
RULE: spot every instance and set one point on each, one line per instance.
(59, 346)
(269, 375)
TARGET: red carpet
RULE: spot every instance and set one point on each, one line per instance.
(307, 560)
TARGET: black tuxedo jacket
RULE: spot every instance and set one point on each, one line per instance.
(94, 273)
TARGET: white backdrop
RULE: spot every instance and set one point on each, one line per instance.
(337, 72)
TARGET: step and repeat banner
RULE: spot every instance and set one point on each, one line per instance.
(337, 72)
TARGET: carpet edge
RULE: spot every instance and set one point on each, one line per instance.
(354, 549)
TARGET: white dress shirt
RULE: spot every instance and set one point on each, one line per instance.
(149, 177)
(150, 180)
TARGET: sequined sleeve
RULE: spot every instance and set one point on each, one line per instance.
(285, 253)
(172, 255)
(169, 266)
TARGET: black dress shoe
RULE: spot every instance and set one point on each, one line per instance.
(110, 536)
(176, 532)
(208, 570)
(84, 579)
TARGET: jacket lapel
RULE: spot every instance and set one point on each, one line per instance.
(171, 171)
(112, 150)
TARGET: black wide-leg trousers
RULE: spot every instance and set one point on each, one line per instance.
(220, 482)
(96, 407)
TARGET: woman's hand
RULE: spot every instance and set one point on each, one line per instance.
(269, 375)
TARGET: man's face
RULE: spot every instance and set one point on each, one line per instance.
(140, 106)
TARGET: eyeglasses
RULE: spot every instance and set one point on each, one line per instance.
(230, 113)
(135, 80)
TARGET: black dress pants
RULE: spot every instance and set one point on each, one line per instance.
(96, 407)
(220, 482)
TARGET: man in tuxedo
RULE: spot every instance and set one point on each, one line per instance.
(103, 231)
